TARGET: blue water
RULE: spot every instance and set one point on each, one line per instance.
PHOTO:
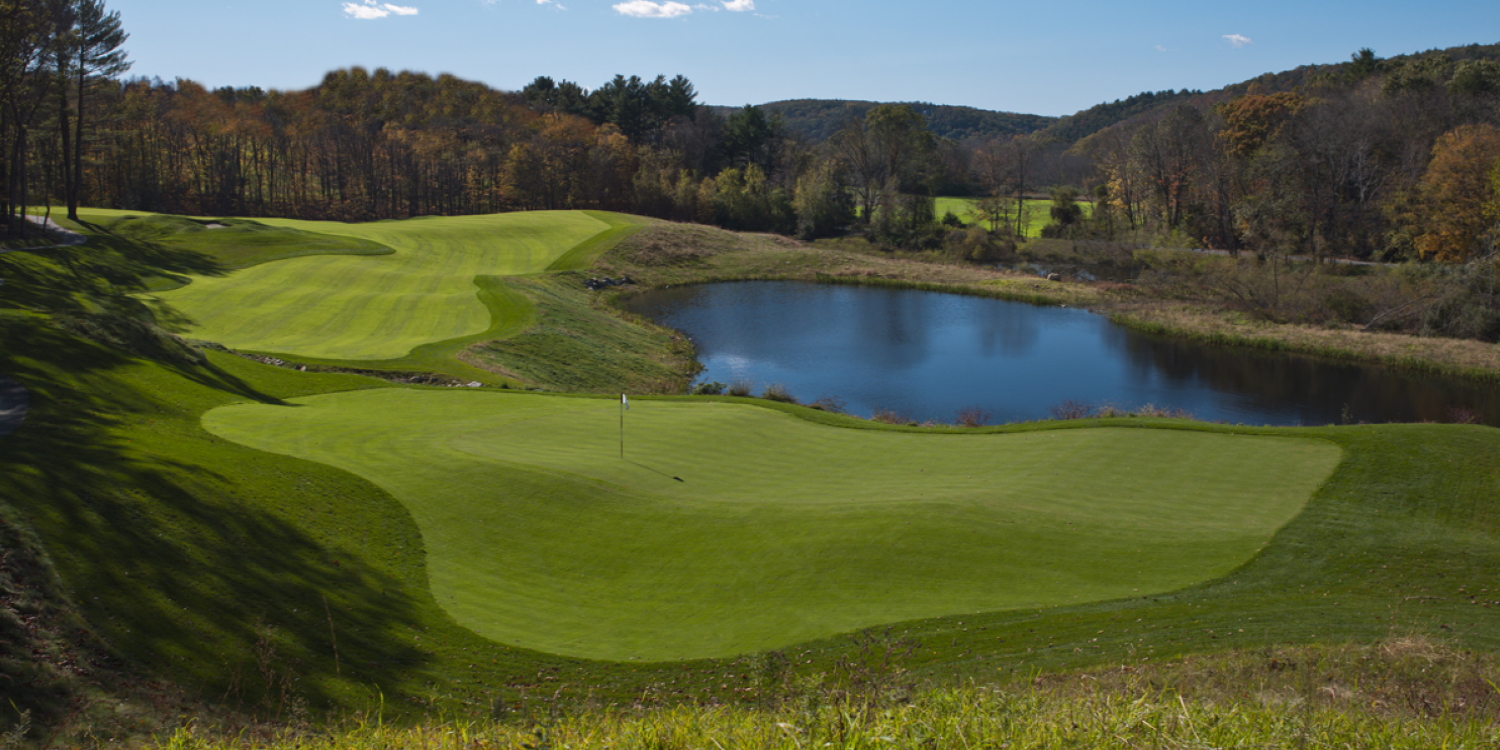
(926, 355)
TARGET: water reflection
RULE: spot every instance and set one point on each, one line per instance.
(928, 355)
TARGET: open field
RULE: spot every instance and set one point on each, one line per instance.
(1038, 211)
(379, 307)
(538, 534)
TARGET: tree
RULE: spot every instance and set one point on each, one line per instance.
(1458, 192)
(30, 33)
(750, 137)
(87, 55)
(1170, 152)
(821, 201)
(1065, 211)
(889, 151)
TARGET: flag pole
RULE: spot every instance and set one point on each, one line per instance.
(624, 404)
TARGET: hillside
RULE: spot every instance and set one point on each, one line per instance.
(1080, 125)
(818, 119)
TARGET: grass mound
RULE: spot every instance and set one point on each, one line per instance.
(729, 528)
(575, 346)
(235, 243)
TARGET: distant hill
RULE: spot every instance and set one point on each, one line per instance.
(818, 119)
(1075, 127)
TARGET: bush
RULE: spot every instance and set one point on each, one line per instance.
(710, 388)
(830, 404)
(889, 416)
(741, 388)
(972, 416)
(778, 392)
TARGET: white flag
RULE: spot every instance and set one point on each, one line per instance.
(625, 401)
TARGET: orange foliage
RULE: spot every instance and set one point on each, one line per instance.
(1252, 120)
(1459, 193)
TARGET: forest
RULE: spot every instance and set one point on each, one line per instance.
(1383, 159)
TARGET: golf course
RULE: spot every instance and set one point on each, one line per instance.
(381, 306)
(233, 523)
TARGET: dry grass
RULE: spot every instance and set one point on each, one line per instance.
(1459, 356)
(1403, 693)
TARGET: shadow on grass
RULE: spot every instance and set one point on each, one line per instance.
(198, 561)
(654, 471)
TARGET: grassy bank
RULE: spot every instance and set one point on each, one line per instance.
(574, 343)
(1401, 694)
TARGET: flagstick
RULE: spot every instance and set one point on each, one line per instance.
(622, 426)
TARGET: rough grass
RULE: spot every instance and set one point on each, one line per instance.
(576, 346)
(379, 307)
(1464, 357)
(1403, 693)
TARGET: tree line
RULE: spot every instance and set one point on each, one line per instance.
(1374, 158)
(54, 56)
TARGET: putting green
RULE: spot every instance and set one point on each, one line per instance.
(780, 530)
(379, 307)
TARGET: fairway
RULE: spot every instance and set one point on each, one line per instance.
(382, 306)
(731, 528)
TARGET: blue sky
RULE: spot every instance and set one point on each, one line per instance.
(1042, 58)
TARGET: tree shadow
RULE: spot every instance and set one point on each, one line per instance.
(197, 560)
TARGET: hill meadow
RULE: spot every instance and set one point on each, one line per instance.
(312, 434)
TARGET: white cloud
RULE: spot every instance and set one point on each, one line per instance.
(370, 10)
(1237, 40)
(738, 5)
(648, 9)
(1160, 48)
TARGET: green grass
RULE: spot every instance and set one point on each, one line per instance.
(380, 307)
(233, 243)
(1038, 212)
(191, 554)
(780, 531)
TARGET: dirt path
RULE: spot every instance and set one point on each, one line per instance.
(13, 404)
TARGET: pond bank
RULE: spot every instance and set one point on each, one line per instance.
(666, 255)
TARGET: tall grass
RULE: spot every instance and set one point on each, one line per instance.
(961, 717)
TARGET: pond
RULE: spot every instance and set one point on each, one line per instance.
(926, 356)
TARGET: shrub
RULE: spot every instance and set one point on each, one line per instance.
(972, 416)
(710, 388)
(1070, 409)
(778, 392)
(741, 388)
(889, 416)
(830, 404)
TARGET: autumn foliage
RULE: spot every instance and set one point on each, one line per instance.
(1460, 192)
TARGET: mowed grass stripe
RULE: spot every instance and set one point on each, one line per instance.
(780, 530)
(379, 307)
